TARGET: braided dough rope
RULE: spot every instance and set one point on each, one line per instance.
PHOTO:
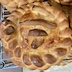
(67, 59)
(12, 5)
(39, 38)
(67, 9)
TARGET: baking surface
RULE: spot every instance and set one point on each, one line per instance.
(12, 70)
(67, 68)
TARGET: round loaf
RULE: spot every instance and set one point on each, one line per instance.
(38, 37)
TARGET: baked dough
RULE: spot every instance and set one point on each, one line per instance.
(12, 5)
(64, 2)
(37, 37)
(67, 9)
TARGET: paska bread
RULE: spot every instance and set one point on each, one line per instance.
(37, 37)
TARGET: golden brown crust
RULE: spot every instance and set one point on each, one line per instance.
(12, 5)
(67, 9)
(0, 29)
(40, 40)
